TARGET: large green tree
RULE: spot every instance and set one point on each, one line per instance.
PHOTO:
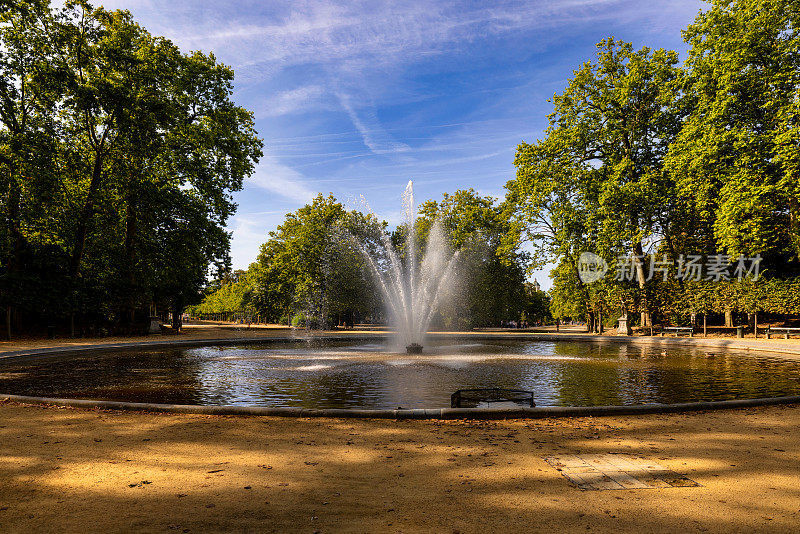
(30, 77)
(159, 149)
(119, 155)
(596, 181)
(491, 279)
(736, 158)
(311, 267)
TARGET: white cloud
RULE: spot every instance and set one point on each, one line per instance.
(357, 36)
(366, 122)
(299, 99)
(321, 31)
(280, 179)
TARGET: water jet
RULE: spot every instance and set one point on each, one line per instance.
(412, 287)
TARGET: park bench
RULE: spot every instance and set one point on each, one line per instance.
(786, 331)
(470, 398)
(678, 329)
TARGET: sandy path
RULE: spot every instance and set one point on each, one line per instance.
(76, 470)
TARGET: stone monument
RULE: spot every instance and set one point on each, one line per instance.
(155, 325)
(624, 327)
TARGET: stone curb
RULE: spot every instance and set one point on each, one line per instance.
(436, 413)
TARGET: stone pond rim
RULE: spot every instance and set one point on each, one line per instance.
(417, 413)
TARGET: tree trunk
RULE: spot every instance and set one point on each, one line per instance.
(130, 256)
(600, 322)
(176, 319)
(14, 259)
(14, 225)
(755, 324)
(729, 318)
(705, 326)
(794, 224)
(85, 217)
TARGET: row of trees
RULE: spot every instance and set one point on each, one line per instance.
(643, 155)
(118, 156)
(774, 296)
(309, 272)
(677, 302)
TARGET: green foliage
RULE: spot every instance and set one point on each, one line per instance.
(313, 271)
(595, 182)
(736, 157)
(694, 160)
(781, 297)
(119, 156)
(309, 265)
(491, 277)
(537, 305)
(233, 296)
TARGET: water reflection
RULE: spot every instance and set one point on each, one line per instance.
(362, 374)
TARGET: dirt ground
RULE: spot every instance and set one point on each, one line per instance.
(73, 470)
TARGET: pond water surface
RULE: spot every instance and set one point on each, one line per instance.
(363, 374)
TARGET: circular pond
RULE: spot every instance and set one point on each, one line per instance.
(363, 374)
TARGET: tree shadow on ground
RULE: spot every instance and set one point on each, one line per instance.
(90, 470)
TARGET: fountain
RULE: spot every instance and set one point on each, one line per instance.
(412, 290)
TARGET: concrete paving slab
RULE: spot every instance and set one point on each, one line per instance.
(616, 471)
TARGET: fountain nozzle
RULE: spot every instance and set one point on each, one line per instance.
(414, 348)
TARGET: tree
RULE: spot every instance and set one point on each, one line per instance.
(736, 157)
(310, 268)
(233, 294)
(29, 81)
(119, 154)
(313, 267)
(596, 181)
(491, 278)
(537, 306)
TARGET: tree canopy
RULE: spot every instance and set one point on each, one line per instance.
(644, 156)
(307, 268)
(119, 155)
(492, 282)
(312, 270)
(595, 182)
(736, 157)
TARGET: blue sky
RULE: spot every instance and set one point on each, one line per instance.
(357, 98)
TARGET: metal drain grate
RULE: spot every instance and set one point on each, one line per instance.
(616, 471)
